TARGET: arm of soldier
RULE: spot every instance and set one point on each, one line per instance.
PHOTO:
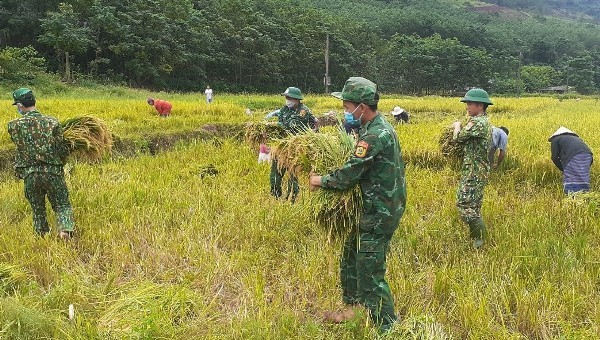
(272, 114)
(360, 162)
(473, 129)
(555, 151)
(312, 121)
(61, 144)
(11, 131)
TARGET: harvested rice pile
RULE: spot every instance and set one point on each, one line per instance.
(448, 146)
(87, 138)
(260, 132)
(337, 211)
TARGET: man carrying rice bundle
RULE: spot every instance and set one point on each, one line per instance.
(294, 117)
(573, 157)
(474, 138)
(41, 153)
(378, 168)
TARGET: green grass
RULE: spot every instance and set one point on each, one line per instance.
(164, 253)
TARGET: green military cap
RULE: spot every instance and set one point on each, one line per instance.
(477, 96)
(22, 94)
(293, 92)
(358, 90)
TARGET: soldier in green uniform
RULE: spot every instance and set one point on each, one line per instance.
(475, 138)
(294, 117)
(378, 168)
(39, 162)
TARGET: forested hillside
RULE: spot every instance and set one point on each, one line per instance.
(420, 47)
(583, 9)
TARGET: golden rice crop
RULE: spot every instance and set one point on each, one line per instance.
(337, 211)
(87, 137)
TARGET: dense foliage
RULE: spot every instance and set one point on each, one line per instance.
(250, 45)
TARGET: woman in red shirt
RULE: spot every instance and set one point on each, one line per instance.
(162, 106)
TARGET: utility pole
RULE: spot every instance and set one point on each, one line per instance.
(327, 80)
(519, 75)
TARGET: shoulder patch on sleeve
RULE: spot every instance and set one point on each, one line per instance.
(302, 113)
(361, 149)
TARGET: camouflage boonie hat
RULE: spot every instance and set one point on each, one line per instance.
(22, 94)
(358, 90)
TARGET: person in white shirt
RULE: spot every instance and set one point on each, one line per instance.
(209, 94)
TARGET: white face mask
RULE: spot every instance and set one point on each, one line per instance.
(290, 103)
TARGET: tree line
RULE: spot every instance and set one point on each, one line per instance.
(410, 46)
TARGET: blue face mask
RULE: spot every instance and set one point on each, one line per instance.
(19, 110)
(349, 117)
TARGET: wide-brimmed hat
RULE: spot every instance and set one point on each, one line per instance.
(562, 131)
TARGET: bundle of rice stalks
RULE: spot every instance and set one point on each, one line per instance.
(448, 146)
(11, 278)
(88, 138)
(260, 132)
(146, 310)
(329, 119)
(337, 211)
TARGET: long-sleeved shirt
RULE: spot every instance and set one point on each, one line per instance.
(564, 147)
(40, 144)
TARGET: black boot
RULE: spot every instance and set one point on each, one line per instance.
(477, 232)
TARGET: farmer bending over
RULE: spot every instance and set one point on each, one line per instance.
(573, 157)
(162, 106)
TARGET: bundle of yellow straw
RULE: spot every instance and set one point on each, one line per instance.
(263, 132)
(87, 138)
(448, 146)
(337, 211)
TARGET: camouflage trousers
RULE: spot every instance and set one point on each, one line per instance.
(276, 179)
(469, 198)
(37, 187)
(362, 274)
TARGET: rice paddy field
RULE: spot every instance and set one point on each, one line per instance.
(166, 250)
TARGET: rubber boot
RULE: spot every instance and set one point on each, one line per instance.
(477, 232)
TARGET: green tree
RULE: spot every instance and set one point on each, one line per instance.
(63, 31)
(538, 77)
(580, 73)
(17, 64)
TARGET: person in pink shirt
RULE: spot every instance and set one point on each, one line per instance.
(162, 106)
(264, 153)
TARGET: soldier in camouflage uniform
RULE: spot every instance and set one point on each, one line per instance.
(39, 162)
(475, 138)
(294, 117)
(378, 168)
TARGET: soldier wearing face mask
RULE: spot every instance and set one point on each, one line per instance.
(294, 117)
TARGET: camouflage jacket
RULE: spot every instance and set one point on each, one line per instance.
(475, 137)
(378, 167)
(39, 142)
(296, 120)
